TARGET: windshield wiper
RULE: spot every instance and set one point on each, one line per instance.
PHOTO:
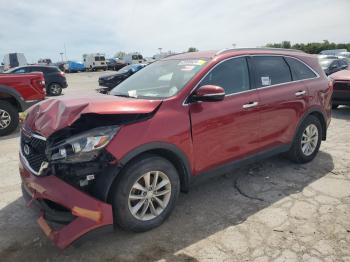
(124, 95)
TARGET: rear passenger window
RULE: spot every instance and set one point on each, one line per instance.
(232, 75)
(271, 70)
(299, 70)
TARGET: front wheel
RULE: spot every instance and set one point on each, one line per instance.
(9, 118)
(146, 193)
(54, 89)
(307, 141)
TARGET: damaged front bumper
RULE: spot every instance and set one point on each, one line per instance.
(79, 212)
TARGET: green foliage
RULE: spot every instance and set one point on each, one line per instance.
(192, 49)
(312, 48)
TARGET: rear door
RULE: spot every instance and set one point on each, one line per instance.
(226, 130)
(283, 100)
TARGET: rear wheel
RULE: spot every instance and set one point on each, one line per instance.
(146, 193)
(54, 89)
(307, 141)
(9, 118)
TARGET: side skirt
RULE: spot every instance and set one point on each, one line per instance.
(223, 169)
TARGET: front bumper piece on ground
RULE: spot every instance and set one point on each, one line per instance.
(87, 212)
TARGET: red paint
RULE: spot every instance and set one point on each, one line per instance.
(208, 134)
(54, 189)
(30, 86)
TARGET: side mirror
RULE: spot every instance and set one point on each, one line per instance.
(209, 93)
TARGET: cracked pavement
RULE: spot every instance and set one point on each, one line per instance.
(272, 210)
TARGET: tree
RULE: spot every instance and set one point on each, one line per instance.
(120, 54)
(311, 48)
(192, 49)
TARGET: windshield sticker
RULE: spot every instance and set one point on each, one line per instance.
(132, 93)
(187, 68)
(265, 81)
(192, 62)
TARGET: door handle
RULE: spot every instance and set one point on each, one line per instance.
(250, 105)
(300, 93)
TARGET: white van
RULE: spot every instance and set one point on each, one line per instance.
(13, 60)
(133, 58)
(96, 61)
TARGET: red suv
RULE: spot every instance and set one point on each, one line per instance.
(94, 161)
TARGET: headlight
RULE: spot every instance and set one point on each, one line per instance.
(83, 147)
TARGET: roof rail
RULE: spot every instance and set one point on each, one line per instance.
(256, 48)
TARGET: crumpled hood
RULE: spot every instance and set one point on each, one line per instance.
(52, 115)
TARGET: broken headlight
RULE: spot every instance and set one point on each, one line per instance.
(83, 147)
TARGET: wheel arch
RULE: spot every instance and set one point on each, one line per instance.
(168, 151)
(320, 116)
(12, 96)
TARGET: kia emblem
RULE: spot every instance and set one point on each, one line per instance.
(26, 149)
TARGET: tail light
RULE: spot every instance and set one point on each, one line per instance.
(62, 73)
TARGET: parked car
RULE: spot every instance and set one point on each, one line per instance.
(133, 58)
(115, 64)
(110, 81)
(45, 61)
(17, 93)
(331, 65)
(54, 78)
(125, 157)
(12, 60)
(74, 67)
(94, 62)
(341, 83)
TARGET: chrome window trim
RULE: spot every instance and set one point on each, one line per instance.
(247, 55)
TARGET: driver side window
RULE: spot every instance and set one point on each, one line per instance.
(232, 75)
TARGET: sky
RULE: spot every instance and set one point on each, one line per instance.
(41, 29)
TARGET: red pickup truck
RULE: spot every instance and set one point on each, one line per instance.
(17, 93)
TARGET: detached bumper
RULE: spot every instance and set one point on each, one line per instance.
(87, 213)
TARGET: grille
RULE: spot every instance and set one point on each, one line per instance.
(33, 150)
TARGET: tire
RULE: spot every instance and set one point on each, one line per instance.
(335, 106)
(296, 153)
(54, 89)
(133, 173)
(8, 112)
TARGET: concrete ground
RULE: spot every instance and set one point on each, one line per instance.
(273, 210)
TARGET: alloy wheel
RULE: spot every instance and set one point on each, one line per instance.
(309, 140)
(150, 195)
(5, 119)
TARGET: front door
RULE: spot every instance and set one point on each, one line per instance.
(226, 130)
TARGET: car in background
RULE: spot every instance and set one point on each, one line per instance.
(17, 93)
(334, 52)
(133, 58)
(73, 67)
(332, 65)
(12, 60)
(114, 64)
(110, 81)
(341, 88)
(45, 61)
(55, 80)
(95, 62)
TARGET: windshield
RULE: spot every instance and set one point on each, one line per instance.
(160, 80)
(325, 63)
(125, 69)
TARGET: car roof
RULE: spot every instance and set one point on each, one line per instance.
(232, 51)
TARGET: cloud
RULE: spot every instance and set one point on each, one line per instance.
(41, 28)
